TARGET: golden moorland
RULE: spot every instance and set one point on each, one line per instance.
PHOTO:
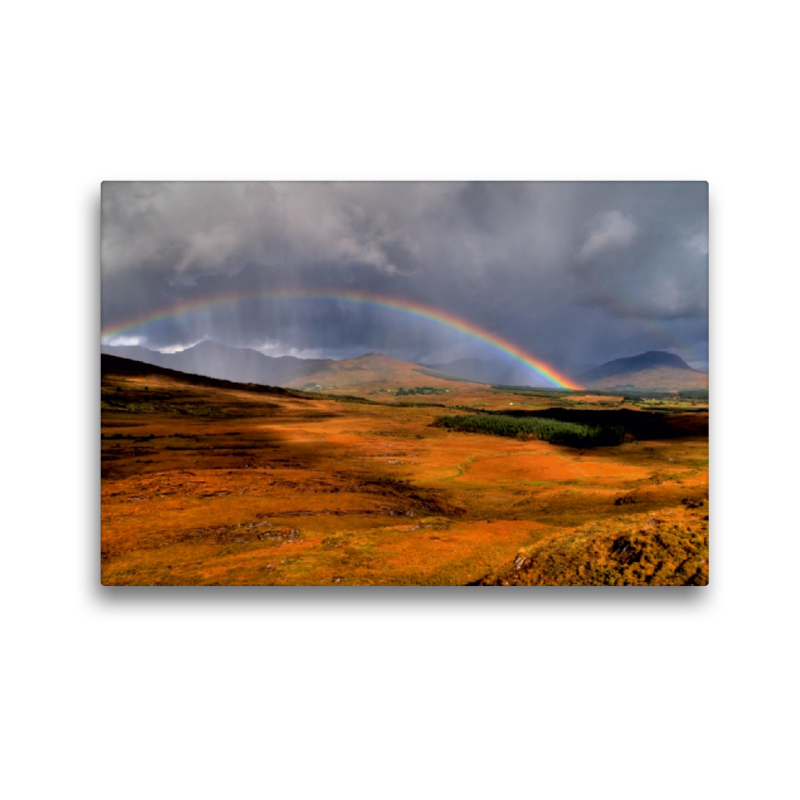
(380, 480)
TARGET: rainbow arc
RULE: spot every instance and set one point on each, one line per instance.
(409, 308)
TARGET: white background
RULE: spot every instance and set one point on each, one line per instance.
(411, 693)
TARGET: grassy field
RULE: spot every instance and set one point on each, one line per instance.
(208, 482)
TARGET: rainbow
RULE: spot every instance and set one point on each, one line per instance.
(410, 308)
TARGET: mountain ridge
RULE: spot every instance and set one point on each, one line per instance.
(368, 372)
(476, 369)
(655, 370)
(214, 360)
(652, 370)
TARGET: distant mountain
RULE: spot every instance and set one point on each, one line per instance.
(474, 369)
(371, 372)
(213, 360)
(652, 359)
(654, 370)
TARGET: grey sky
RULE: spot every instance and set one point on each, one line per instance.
(575, 273)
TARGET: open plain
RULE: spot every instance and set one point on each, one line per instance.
(210, 482)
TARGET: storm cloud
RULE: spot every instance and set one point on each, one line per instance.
(576, 273)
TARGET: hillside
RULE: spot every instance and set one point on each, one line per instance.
(652, 371)
(371, 372)
(207, 482)
(374, 372)
(243, 365)
(117, 366)
(476, 369)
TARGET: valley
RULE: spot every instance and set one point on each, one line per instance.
(210, 482)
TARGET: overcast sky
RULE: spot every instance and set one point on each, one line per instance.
(575, 273)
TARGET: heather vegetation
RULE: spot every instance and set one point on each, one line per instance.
(205, 481)
(670, 549)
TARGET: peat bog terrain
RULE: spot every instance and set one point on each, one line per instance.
(207, 482)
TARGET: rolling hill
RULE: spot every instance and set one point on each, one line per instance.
(654, 370)
(368, 373)
(476, 369)
(372, 372)
(214, 360)
(209, 482)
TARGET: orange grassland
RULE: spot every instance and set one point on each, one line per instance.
(205, 482)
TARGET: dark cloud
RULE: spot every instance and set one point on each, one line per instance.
(577, 273)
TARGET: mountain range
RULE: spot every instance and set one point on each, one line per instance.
(653, 370)
(243, 365)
